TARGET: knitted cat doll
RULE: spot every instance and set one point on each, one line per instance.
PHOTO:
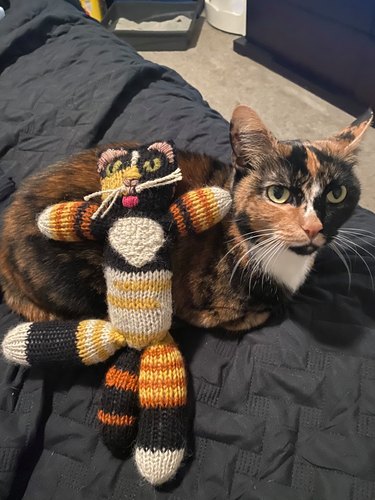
(144, 394)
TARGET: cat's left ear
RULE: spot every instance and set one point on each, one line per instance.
(252, 142)
(348, 140)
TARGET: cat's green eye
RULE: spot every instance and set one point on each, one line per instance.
(337, 195)
(278, 194)
(111, 169)
(152, 165)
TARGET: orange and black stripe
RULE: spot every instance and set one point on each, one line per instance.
(198, 210)
(162, 398)
(119, 408)
(84, 225)
(72, 221)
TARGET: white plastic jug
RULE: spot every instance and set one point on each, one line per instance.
(227, 15)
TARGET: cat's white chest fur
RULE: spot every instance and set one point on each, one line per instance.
(290, 269)
(137, 239)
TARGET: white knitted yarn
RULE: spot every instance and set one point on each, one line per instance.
(223, 199)
(158, 466)
(137, 239)
(14, 345)
(43, 222)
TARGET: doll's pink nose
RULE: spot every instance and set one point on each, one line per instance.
(130, 201)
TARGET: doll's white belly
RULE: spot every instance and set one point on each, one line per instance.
(136, 239)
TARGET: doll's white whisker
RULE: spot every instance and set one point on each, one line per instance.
(109, 200)
(110, 205)
(171, 178)
(98, 193)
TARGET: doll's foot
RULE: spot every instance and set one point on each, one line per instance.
(162, 428)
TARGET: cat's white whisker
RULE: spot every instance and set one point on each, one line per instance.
(255, 248)
(258, 259)
(272, 257)
(337, 251)
(265, 259)
(238, 244)
(255, 231)
(351, 245)
(358, 230)
(251, 237)
(360, 237)
(344, 238)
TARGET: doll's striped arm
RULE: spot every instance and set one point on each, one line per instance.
(70, 221)
(198, 210)
(76, 342)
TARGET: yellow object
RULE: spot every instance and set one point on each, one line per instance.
(94, 8)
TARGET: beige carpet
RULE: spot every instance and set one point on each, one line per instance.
(226, 79)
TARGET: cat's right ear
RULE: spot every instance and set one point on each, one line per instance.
(251, 140)
(348, 140)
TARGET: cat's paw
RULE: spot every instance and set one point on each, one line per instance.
(251, 320)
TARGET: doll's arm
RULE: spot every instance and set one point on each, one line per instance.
(71, 221)
(60, 342)
(198, 210)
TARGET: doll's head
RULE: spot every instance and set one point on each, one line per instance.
(142, 178)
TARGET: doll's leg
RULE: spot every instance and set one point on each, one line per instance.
(77, 342)
(120, 406)
(162, 429)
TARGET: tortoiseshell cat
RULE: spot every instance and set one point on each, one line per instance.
(289, 200)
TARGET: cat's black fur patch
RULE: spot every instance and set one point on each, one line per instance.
(243, 224)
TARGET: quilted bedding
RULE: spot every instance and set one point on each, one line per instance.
(286, 412)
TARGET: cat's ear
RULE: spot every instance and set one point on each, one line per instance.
(251, 140)
(348, 140)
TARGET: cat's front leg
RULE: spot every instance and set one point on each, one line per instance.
(225, 317)
(59, 342)
(250, 320)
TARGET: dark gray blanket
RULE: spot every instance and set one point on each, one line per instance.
(285, 413)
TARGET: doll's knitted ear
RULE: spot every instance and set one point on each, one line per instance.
(108, 156)
(166, 148)
(198, 210)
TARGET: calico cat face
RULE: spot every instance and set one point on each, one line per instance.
(127, 176)
(292, 196)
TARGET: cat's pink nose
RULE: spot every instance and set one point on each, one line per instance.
(312, 228)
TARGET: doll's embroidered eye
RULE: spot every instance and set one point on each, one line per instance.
(111, 169)
(152, 165)
(116, 166)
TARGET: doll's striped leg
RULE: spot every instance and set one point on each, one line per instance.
(162, 429)
(78, 342)
(120, 406)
